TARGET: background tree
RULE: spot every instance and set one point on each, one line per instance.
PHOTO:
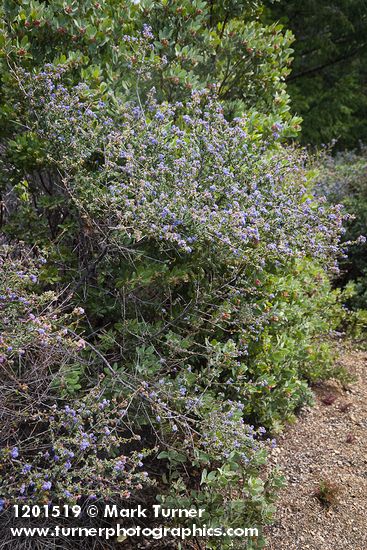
(329, 72)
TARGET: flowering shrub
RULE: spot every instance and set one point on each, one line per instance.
(194, 223)
(38, 348)
(240, 197)
(78, 454)
(34, 342)
(196, 259)
(59, 447)
(236, 489)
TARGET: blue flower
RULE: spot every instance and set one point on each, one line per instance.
(84, 444)
(14, 453)
(120, 465)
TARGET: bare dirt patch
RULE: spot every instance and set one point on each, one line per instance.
(325, 455)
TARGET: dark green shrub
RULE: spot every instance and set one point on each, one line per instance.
(192, 45)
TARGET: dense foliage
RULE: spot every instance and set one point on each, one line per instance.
(198, 254)
(166, 265)
(189, 45)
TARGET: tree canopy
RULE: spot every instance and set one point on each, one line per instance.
(328, 82)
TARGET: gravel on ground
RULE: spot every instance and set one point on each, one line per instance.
(324, 455)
